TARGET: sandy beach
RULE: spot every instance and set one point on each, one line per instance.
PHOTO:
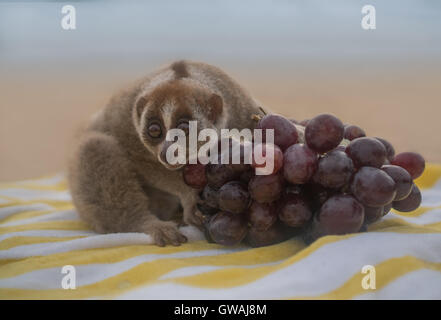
(298, 59)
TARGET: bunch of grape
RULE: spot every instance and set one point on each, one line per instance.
(328, 180)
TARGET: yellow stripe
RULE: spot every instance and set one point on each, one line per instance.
(404, 229)
(34, 213)
(397, 222)
(149, 272)
(50, 225)
(21, 241)
(26, 215)
(35, 182)
(117, 254)
(54, 203)
(430, 176)
(386, 272)
(416, 213)
(61, 186)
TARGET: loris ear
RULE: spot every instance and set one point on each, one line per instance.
(139, 106)
(214, 107)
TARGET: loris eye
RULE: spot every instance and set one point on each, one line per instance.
(184, 126)
(154, 130)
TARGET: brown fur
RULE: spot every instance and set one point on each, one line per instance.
(180, 69)
(117, 179)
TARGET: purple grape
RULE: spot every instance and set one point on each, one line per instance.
(366, 152)
(274, 234)
(206, 210)
(294, 211)
(334, 170)
(340, 214)
(232, 152)
(413, 162)
(285, 132)
(353, 132)
(276, 159)
(261, 216)
(265, 189)
(372, 214)
(194, 175)
(219, 174)
(402, 178)
(300, 163)
(246, 176)
(317, 194)
(324, 133)
(373, 187)
(390, 151)
(387, 208)
(411, 203)
(227, 229)
(210, 196)
(233, 197)
(304, 122)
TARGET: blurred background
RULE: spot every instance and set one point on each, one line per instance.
(299, 58)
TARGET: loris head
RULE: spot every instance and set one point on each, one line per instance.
(171, 105)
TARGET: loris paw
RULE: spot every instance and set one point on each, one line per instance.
(165, 232)
(195, 219)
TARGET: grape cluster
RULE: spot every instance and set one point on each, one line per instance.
(328, 180)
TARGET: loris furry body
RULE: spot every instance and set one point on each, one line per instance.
(118, 177)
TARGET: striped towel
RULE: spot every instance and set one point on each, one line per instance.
(40, 234)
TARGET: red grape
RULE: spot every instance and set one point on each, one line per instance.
(194, 175)
(227, 229)
(300, 163)
(275, 158)
(324, 133)
(334, 170)
(353, 132)
(265, 189)
(285, 132)
(294, 211)
(233, 197)
(390, 151)
(410, 203)
(373, 187)
(340, 214)
(261, 216)
(366, 152)
(413, 162)
(402, 178)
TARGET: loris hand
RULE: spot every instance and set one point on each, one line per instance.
(165, 232)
